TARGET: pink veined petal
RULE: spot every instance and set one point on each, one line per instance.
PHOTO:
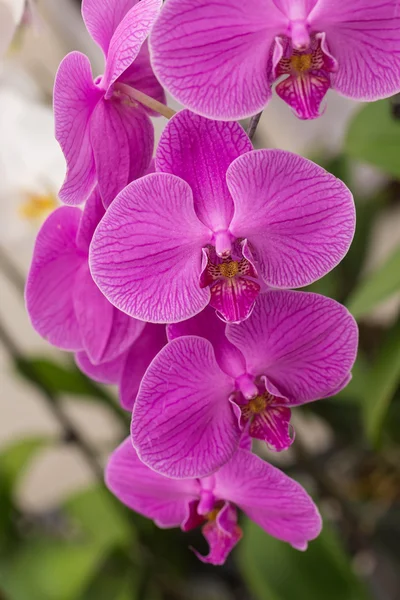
(363, 36)
(304, 93)
(222, 535)
(304, 343)
(51, 279)
(213, 56)
(139, 357)
(105, 372)
(210, 327)
(94, 314)
(272, 427)
(92, 215)
(141, 77)
(299, 219)
(102, 18)
(234, 298)
(270, 498)
(200, 151)
(122, 138)
(146, 253)
(75, 97)
(182, 422)
(128, 39)
(164, 500)
(124, 332)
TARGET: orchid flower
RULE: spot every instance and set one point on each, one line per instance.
(106, 135)
(220, 58)
(127, 369)
(213, 383)
(63, 302)
(270, 498)
(216, 223)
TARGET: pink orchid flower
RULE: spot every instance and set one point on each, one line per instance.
(64, 304)
(216, 223)
(213, 382)
(220, 58)
(270, 498)
(106, 136)
(127, 369)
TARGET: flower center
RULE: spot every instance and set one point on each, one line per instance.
(301, 62)
(212, 515)
(258, 404)
(229, 269)
(37, 206)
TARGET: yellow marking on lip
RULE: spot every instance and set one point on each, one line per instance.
(229, 269)
(301, 62)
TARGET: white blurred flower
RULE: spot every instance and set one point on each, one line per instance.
(32, 166)
(11, 12)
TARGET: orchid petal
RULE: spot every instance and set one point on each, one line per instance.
(304, 93)
(124, 332)
(139, 357)
(271, 426)
(208, 326)
(122, 138)
(182, 422)
(92, 215)
(304, 343)
(200, 151)
(298, 219)
(234, 298)
(213, 56)
(221, 539)
(75, 97)
(164, 500)
(146, 253)
(51, 278)
(102, 18)
(128, 39)
(270, 498)
(94, 314)
(363, 37)
(105, 372)
(141, 77)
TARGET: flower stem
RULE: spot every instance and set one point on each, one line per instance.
(137, 96)
(253, 125)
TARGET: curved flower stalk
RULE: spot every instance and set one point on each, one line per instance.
(64, 304)
(214, 383)
(220, 59)
(127, 369)
(106, 135)
(216, 223)
(269, 497)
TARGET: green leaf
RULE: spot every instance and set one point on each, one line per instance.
(374, 137)
(115, 580)
(376, 287)
(101, 517)
(381, 382)
(275, 571)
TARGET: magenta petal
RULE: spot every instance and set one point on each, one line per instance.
(164, 500)
(51, 279)
(94, 314)
(270, 498)
(182, 422)
(105, 372)
(122, 138)
(273, 427)
(128, 38)
(234, 298)
(298, 219)
(304, 93)
(75, 97)
(222, 535)
(207, 325)
(304, 343)
(363, 36)
(141, 77)
(92, 215)
(102, 18)
(213, 56)
(146, 252)
(140, 355)
(200, 151)
(124, 332)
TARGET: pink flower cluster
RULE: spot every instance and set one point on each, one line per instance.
(176, 280)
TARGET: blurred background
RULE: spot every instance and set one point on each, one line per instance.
(62, 535)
